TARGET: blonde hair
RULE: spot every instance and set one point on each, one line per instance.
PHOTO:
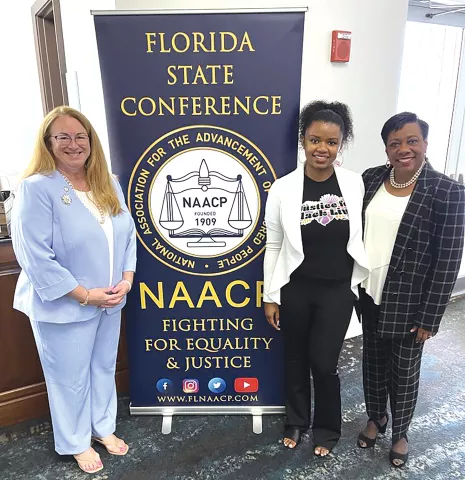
(97, 174)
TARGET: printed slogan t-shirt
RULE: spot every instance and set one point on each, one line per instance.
(324, 223)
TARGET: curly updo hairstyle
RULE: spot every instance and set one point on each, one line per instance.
(328, 112)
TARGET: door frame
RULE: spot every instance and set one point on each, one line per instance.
(50, 53)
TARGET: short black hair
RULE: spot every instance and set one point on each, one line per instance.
(399, 120)
(327, 112)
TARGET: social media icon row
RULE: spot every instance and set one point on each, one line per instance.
(215, 385)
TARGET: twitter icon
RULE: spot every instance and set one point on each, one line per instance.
(217, 385)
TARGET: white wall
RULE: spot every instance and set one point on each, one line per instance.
(20, 89)
(19, 82)
(82, 61)
(368, 84)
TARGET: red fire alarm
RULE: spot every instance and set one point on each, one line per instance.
(340, 46)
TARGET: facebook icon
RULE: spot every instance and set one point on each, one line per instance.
(165, 385)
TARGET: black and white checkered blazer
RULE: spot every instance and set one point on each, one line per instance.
(427, 252)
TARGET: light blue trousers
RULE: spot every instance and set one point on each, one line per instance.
(79, 361)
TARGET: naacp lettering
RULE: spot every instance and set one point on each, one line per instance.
(198, 194)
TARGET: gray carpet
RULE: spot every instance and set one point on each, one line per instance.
(210, 448)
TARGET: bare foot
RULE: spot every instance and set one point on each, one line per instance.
(371, 430)
(321, 451)
(401, 446)
(292, 436)
(89, 461)
(113, 444)
(289, 443)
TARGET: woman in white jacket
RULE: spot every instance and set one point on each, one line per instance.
(314, 261)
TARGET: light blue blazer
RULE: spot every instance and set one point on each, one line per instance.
(60, 246)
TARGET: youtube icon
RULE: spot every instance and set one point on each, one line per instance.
(246, 385)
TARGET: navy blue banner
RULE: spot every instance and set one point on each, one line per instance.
(202, 114)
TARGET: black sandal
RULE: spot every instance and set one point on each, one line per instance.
(294, 434)
(370, 442)
(403, 457)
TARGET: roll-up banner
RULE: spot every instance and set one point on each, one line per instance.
(202, 113)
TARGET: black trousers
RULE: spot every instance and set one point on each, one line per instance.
(391, 370)
(314, 318)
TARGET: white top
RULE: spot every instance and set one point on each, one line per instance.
(86, 199)
(284, 249)
(382, 219)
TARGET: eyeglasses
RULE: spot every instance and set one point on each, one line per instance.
(64, 140)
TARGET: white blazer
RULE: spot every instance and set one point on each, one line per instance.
(284, 249)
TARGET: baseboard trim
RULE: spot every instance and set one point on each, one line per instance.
(31, 402)
(23, 404)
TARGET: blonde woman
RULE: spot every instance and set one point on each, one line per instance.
(75, 241)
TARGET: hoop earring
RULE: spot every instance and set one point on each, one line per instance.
(302, 162)
(388, 163)
(338, 162)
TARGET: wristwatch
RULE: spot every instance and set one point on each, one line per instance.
(84, 303)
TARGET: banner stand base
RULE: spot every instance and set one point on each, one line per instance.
(167, 421)
(168, 412)
(166, 424)
(257, 424)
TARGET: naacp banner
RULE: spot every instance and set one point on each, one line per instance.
(202, 113)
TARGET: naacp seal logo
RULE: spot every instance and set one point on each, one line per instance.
(197, 195)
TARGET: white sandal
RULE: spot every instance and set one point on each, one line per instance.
(113, 448)
(85, 463)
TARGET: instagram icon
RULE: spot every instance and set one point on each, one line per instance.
(190, 385)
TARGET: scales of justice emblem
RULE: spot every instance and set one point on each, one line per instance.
(205, 206)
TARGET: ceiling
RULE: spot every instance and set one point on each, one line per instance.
(442, 4)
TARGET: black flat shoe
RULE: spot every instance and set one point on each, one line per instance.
(370, 442)
(294, 434)
(403, 457)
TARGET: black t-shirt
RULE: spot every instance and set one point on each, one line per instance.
(324, 223)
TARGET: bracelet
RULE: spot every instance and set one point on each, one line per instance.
(128, 282)
(84, 303)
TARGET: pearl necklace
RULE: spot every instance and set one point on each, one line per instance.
(394, 184)
(99, 208)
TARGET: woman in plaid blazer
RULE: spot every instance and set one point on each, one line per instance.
(413, 233)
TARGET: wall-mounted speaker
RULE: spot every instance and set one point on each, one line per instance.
(340, 46)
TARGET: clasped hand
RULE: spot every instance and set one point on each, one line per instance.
(108, 297)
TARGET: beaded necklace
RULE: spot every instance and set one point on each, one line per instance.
(99, 208)
(393, 182)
